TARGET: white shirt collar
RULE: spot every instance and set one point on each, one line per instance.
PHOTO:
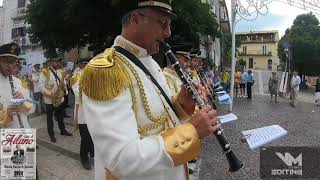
(131, 47)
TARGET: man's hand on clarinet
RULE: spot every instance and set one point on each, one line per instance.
(205, 121)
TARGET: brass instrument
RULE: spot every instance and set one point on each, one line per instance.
(59, 94)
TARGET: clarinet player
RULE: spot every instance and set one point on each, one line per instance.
(134, 125)
(12, 116)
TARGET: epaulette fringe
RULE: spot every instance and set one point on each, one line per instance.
(105, 76)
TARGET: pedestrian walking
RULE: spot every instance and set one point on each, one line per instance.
(243, 78)
(273, 87)
(295, 83)
(250, 81)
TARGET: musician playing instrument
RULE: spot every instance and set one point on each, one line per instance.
(136, 133)
(12, 115)
(53, 89)
(171, 76)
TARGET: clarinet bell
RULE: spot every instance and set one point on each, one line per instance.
(234, 163)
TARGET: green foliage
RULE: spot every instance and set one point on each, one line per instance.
(193, 18)
(242, 62)
(65, 24)
(304, 40)
(227, 47)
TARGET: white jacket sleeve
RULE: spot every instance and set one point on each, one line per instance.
(114, 130)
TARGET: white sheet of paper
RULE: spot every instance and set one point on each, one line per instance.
(261, 136)
(221, 92)
(227, 118)
(224, 97)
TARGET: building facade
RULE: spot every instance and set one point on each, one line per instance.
(15, 30)
(214, 46)
(259, 49)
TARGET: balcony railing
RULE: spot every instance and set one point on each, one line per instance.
(19, 13)
(255, 53)
(257, 40)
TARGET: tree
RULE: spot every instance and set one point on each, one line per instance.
(65, 24)
(304, 40)
(227, 45)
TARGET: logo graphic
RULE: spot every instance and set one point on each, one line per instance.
(289, 159)
(289, 162)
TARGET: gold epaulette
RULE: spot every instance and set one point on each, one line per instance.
(74, 78)
(105, 76)
(24, 83)
(46, 72)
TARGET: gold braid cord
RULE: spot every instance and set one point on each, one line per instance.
(106, 77)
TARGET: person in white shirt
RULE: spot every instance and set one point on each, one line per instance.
(295, 84)
(36, 88)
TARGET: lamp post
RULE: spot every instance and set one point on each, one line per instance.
(233, 52)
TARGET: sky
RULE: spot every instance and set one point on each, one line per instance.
(280, 16)
(1, 2)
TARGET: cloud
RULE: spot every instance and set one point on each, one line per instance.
(280, 17)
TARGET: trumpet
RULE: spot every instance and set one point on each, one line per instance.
(234, 163)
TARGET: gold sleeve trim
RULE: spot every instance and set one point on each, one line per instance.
(182, 115)
(109, 176)
(182, 143)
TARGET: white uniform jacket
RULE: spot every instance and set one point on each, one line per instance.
(48, 83)
(78, 112)
(6, 96)
(36, 80)
(133, 128)
(173, 80)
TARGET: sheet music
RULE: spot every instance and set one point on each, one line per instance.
(227, 118)
(224, 97)
(261, 136)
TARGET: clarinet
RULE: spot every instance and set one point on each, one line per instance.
(13, 95)
(234, 163)
(211, 95)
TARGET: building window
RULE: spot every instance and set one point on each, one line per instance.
(21, 3)
(244, 49)
(19, 32)
(264, 50)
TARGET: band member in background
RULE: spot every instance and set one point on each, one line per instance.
(52, 88)
(86, 145)
(171, 76)
(11, 114)
(137, 135)
(37, 96)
